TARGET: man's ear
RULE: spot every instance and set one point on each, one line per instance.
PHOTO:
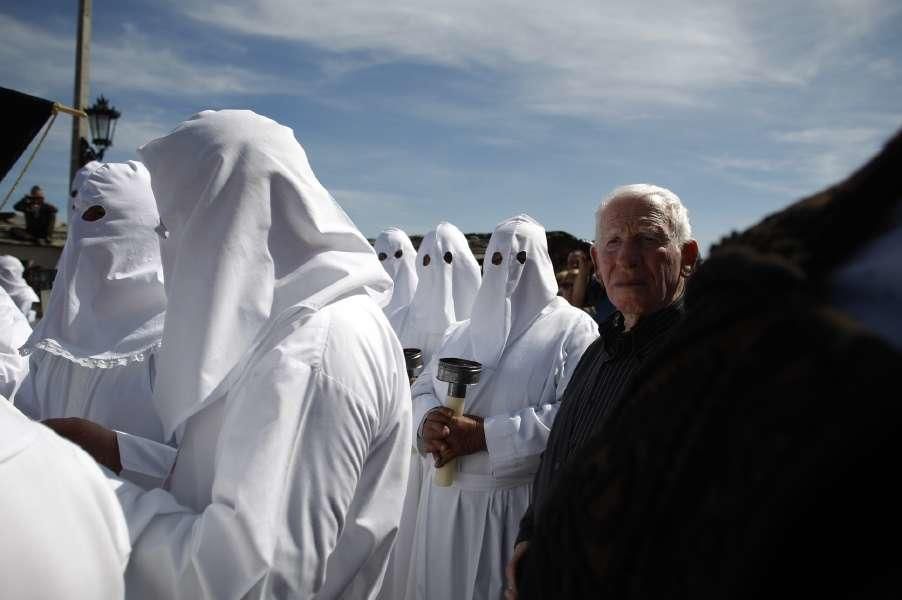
(593, 253)
(688, 258)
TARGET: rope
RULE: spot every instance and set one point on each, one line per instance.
(30, 158)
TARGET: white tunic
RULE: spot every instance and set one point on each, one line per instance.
(63, 533)
(529, 342)
(119, 398)
(92, 353)
(290, 486)
(278, 371)
(14, 330)
(466, 532)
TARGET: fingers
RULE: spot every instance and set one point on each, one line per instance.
(433, 431)
(440, 414)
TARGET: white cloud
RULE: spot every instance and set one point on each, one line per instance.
(581, 57)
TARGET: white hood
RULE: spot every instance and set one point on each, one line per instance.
(513, 293)
(449, 278)
(253, 236)
(108, 304)
(396, 253)
(74, 198)
(11, 280)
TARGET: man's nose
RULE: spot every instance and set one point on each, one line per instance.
(628, 253)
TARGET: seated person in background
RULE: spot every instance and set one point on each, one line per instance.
(63, 531)
(644, 253)
(40, 216)
(756, 455)
(529, 342)
(92, 354)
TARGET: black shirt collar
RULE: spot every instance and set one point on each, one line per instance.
(619, 343)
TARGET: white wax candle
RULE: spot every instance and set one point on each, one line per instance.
(444, 475)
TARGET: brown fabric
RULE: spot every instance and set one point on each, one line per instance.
(756, 455)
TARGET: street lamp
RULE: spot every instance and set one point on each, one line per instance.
(102, 120)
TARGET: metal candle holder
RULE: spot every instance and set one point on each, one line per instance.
(458, 373)
(413, 359)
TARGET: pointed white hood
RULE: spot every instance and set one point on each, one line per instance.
(517, 283)
(108, 303)
(254, 239)
(449, 278)
(11, 280)
(396, 253)
(74, 198)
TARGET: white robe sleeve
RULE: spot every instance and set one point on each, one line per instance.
(144, 461)
(516, 440)
(290, 453)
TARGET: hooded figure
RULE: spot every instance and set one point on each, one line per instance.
(450, 278)
(279, 373)
(11, 280)
(14, 330)
(396, 253)
(63, 531)
(529, 342)
(92, 352)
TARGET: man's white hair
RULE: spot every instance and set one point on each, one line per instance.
(676, 214)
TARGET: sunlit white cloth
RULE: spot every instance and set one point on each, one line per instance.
(64, 535)
(74, 196)
(529, 342)
(92, 353)
(14, 330)
(449, 278)
(12, 280)
(280, 374)
(396, 253)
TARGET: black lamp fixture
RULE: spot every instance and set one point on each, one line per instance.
(102, 120)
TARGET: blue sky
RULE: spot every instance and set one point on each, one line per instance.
(470, 111)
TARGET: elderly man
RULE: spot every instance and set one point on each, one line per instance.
(643, 253)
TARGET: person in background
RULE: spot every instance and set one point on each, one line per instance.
(14, 330)
(92, 354)
(449, 278)
(40, 216)
(529, 342)
(585, 290)
(13, 281)
(396, 253)
(644, 253)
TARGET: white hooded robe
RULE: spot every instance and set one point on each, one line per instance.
(529, 342)
(280, 374)
(92, 352)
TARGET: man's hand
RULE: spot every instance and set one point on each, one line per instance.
(98, 441)
(466, 436)
(510, 571)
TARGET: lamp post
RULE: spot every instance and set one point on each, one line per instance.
(102, 119)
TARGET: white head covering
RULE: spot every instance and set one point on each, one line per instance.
(515, 290)
(108, 303)
(74, 197)
(449, 278)
(254, 240)
(11, 280)
(396, 253)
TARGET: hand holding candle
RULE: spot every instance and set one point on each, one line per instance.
(460, 432)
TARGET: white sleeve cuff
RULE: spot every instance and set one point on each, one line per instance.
(150, 460)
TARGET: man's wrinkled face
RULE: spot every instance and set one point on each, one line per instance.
(637, 260)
